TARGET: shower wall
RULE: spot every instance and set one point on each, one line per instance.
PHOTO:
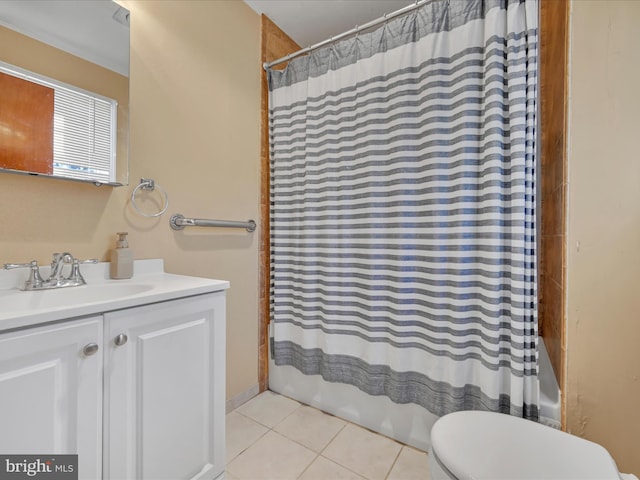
(554, 18)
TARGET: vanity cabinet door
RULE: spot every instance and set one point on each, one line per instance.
(164, 390)
(51, 392)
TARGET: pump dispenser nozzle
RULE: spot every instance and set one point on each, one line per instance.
(122, 240)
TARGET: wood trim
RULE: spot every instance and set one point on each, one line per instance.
(274, 44)
(553, 81)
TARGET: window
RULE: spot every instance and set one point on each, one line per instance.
(84, 129)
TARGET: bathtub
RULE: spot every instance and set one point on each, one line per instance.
(549, 389)
(408, 423)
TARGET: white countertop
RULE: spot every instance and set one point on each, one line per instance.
(150, 284)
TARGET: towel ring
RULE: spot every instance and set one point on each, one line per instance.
(149, 184)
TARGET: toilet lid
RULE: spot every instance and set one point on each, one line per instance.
(492, 446)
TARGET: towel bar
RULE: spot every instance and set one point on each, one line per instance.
(178, 222)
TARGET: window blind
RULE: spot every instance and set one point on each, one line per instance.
(84, 129)
(83, 136)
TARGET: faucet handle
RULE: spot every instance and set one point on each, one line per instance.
(75, 276)
(11, 266)
(34, 280)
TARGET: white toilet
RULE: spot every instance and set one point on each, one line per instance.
(474, 445)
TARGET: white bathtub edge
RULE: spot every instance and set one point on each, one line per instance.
(550, 406)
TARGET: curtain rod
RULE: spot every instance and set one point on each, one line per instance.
(353, 31)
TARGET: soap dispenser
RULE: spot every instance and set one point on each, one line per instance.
(121, 258)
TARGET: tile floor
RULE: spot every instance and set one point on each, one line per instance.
(272, 437)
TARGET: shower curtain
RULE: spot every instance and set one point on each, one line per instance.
(403, 209)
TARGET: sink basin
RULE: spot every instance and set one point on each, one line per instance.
(150, 284)
(18, 300)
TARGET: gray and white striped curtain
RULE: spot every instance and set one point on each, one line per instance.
(403, 209)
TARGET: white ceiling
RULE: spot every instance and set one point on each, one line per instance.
(312, 21)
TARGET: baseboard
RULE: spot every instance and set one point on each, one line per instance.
(242, 397)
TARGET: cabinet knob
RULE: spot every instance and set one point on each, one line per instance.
(120, 339)
(90, 349)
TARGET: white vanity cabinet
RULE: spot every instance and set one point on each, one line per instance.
(164, 390)
(51, 392)
(137, 392)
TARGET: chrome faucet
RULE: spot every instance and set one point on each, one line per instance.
(59, 259)
(55, 280)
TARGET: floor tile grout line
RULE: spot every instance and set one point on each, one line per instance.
(334, 437)
(317, 454)
(320, 453)
(307, 467)
(346, 423)
(263, 424)
(249, 418)
(252, 443)
(345, 467)
(393, 464)
(246, 448)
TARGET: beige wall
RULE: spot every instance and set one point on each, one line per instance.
(195, 125)
(603, 363)
(195, 115)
